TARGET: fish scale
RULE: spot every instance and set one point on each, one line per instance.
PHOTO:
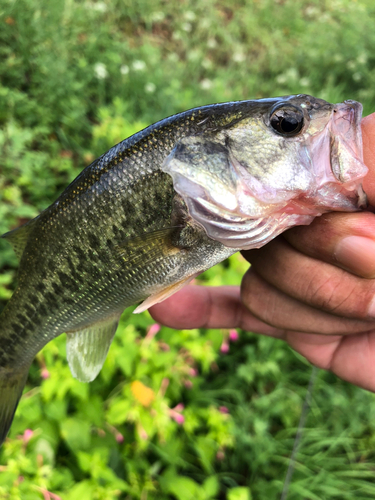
(152, 213)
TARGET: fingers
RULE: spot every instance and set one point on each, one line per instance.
(312, 282)
(209, 307)
(368, 138)
(351, 357)
(344, 240)
(275, 308)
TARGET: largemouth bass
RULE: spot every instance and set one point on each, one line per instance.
(161, 207)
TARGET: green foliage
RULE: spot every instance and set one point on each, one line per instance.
(170, 416)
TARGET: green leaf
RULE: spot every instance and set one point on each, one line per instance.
(239, 493)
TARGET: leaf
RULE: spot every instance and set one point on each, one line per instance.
(239, 493)
(76, 433)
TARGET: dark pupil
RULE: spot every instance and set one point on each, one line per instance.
(288, 124)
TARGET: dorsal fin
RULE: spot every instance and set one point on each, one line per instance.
(18, 237)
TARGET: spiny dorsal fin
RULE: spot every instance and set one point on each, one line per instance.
(18, 237)
(86, 349)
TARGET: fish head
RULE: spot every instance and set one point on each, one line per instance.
(260, 167)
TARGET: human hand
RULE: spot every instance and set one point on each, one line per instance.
(316, 279)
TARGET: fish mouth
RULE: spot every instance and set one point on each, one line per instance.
(347, 115)
(346, 154)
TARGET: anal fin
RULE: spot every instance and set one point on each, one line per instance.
(86, 349)
(163, 294)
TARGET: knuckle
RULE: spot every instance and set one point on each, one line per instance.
(349, 297)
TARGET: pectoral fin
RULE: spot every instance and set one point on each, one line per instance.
(163, 294)
(87, 349)
(148, 247)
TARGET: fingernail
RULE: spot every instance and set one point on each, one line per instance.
(357, 255)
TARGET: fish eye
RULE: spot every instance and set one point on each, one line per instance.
(287, 121)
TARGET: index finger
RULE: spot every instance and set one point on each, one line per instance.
(209, 307)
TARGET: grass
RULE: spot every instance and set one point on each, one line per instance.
(75, 78)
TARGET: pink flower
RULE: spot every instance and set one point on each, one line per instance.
(233, 335)
(27, 435)
(45, 374)
(179, 407)
(119, 437)
(224, 346)
(223, 409)
(177, 417)
(175, 414)
(193, 372)
(188, 384)
(152, 331)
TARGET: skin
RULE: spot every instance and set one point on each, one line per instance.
(313, 287)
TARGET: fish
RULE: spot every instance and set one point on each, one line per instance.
(161, 207)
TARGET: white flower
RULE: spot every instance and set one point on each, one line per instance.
(157, 16)
(124, 69)
(150, 87)
(99, 6)
(281, 78)
(357, 76)
(187, 27)
(206, 84)
(189, 15)
(211, 43)
(304, 82)
(362, 58)
(239, 57)
(139, 65)
(100, 71)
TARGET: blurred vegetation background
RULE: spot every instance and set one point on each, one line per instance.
(190, 415)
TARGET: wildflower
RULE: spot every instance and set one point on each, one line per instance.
(175, 414)
(100, 71)
(223, 409)
(119, 437)
(188, 384)
(45, 373)
(142, 393)
(211, 43)
(157, 16)
(124, 69)
(152, 331)
(150, 87)
(206, 84)
(193, 372)
(190, 15)
(27, 435)
(139, 65)
(304, 82)
(187, 27)
(99, 6)
(224, 346)
(179, 407)
(233, 335)
(239, 57)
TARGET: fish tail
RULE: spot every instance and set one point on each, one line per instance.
(12, 383)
